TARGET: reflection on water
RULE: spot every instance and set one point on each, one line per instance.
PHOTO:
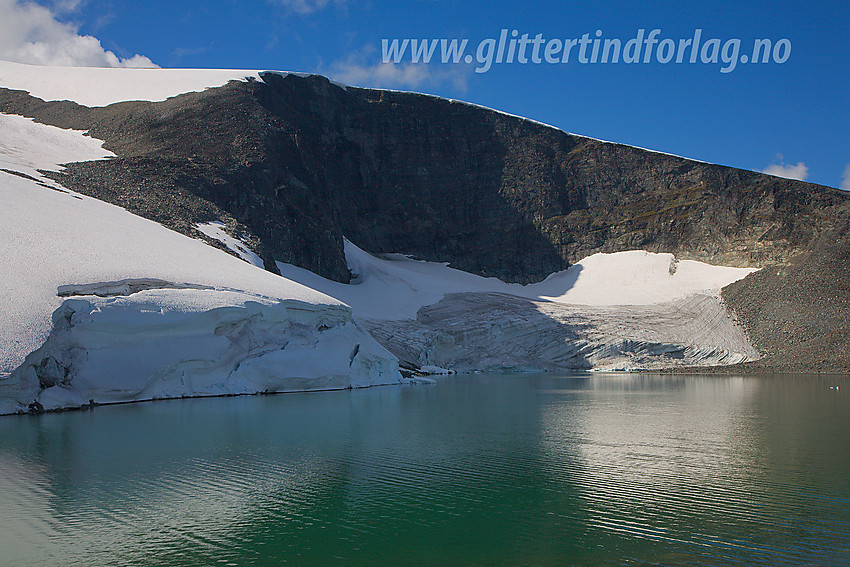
(479, 469)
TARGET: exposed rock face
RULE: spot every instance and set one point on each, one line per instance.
(292, 164)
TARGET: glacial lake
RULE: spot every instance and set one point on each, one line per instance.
(474, 470)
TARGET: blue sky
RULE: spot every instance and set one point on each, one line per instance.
(794, 115)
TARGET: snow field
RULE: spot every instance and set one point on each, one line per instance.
(395, 287)
(96, 86)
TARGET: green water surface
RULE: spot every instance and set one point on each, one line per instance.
(475, 470)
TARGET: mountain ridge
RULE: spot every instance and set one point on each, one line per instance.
(323, 157)
(292, 164)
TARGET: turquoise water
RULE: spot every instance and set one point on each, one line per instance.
(475, 470)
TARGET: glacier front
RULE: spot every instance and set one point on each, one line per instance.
(102, 305)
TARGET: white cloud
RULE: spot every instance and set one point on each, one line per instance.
(357, 70)
(845, 178)
(781, 169)
(30, 33)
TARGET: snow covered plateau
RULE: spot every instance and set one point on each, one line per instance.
(100, 305)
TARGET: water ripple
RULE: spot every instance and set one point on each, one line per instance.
(477, 470)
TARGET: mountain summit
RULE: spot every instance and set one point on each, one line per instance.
(302, 176)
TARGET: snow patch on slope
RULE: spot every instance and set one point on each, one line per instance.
(27, 146)
(215, 230)
(96, 86)
(395, 287)
(635, 277)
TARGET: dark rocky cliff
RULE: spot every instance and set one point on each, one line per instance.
(292, 164)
